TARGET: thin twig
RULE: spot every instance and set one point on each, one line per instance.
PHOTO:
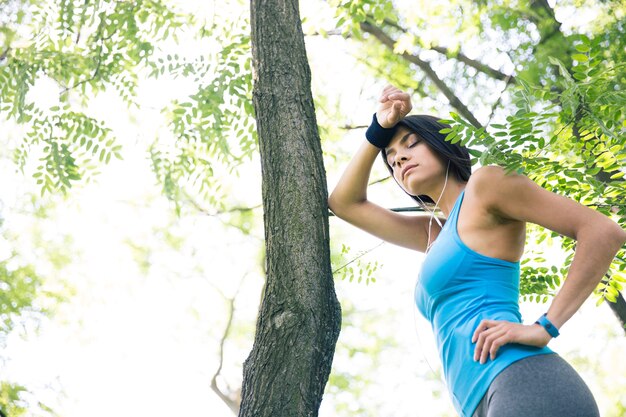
(231, 397)
(453, 99)
(5, 53)
(461, 57)
(495, 105)
(362, 254)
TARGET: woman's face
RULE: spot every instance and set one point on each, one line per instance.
(415, 166)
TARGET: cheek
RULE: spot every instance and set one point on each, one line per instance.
(397, 175)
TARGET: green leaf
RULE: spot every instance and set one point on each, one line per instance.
(582, 47)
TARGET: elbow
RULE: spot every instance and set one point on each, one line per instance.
(339, 206)
(618, 235)
(610, 233)
(621, 236)
(333, 206)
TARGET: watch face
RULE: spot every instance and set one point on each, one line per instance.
(543, 321)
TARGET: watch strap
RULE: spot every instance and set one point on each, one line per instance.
(547, 324)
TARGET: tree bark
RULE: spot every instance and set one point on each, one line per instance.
(619, 309)
(299, 317)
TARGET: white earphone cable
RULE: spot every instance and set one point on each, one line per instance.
(432, 213)
(414, 307)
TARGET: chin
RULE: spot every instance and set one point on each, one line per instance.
(412, 190)
(415, 193)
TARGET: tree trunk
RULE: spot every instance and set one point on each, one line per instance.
(299, 318)
(619, 309)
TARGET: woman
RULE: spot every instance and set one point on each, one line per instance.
(468, 286)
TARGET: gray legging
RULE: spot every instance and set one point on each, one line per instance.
(538, 386)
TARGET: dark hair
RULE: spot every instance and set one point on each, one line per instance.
(427, 127)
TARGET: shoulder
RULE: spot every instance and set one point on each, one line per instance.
(488, 175)
(498, 190)
(485, 187)
(515, 197)
(485, 179)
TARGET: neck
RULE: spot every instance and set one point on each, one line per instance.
(449, 196)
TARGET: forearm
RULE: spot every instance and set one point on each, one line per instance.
(352, 186)
(595, 250)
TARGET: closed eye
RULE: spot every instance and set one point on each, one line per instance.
(410, 146)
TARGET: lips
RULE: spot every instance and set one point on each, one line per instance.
(406, 168)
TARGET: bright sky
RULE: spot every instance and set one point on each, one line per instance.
(131, 343)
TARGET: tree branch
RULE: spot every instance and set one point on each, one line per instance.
(397, 210)
(232, 398)
(332, 32)
(419, 84)
(424, 66)
(5, 53)
(619, 309)
(93, 77)
(217, 213)
(352, 127)
(460, 56)
(495, 105)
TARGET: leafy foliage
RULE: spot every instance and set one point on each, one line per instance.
(215, 128)
(364, 270)
(582, 115)
(564, 126)
(82, 47)
(565, 119)
(349, 386)
(11, 402)
(23, 301)
(19, 289)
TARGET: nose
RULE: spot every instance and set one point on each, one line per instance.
(400, 160)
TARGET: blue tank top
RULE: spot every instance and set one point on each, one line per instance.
(456, 289)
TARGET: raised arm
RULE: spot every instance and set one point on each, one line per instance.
(349, 200)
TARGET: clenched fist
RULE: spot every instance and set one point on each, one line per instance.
(394, 106)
